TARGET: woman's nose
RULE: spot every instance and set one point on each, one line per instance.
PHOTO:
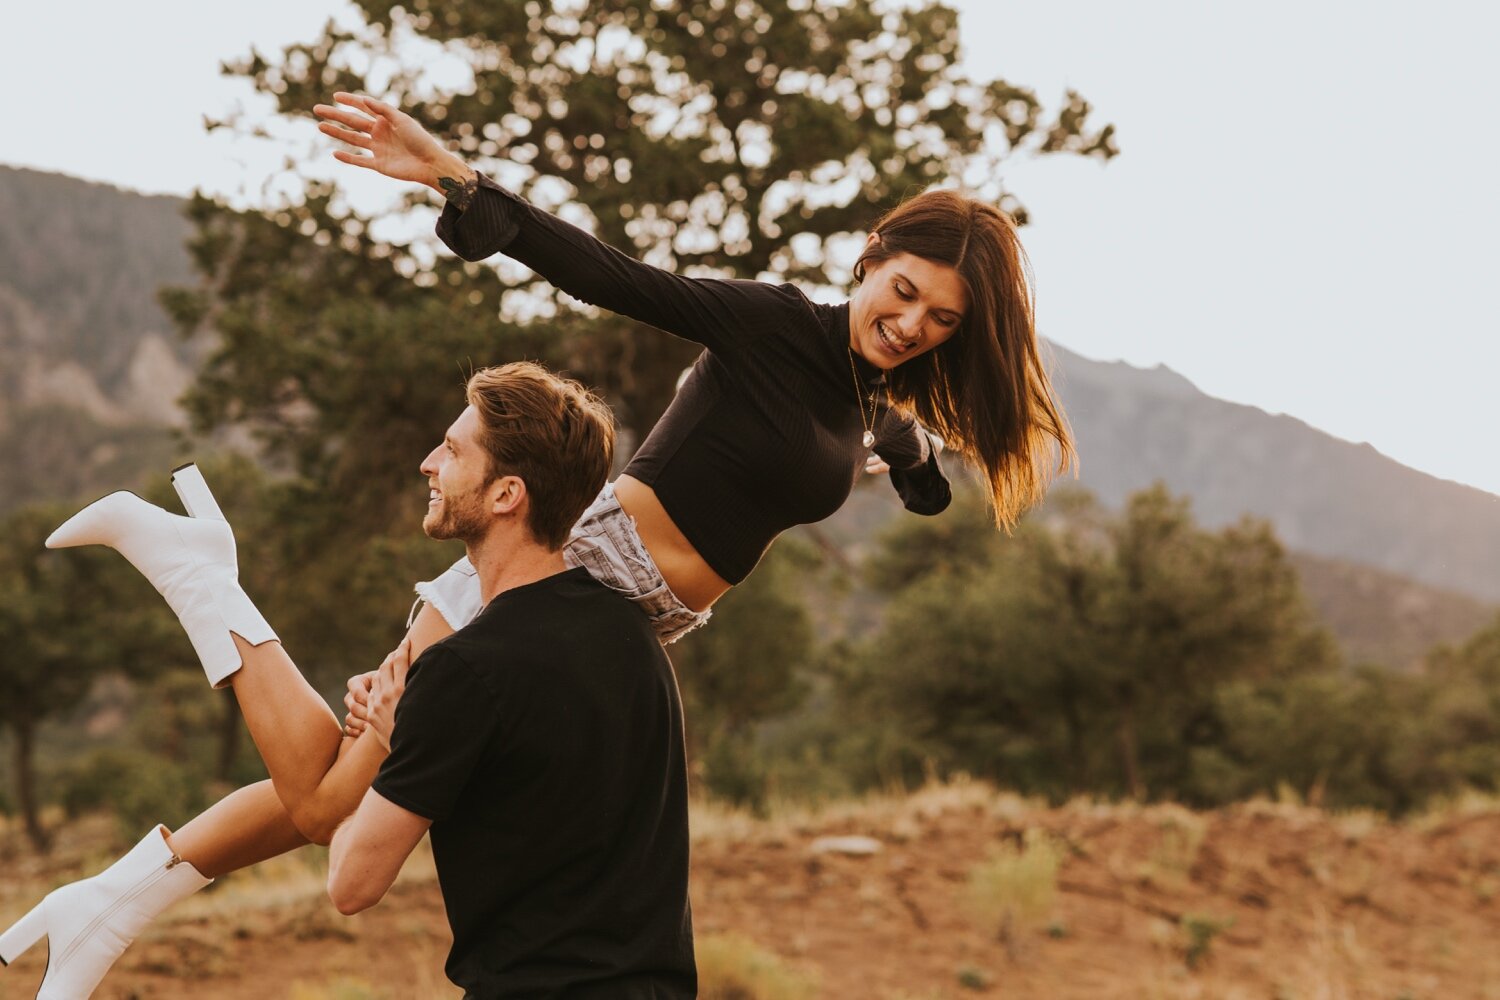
(914, 323)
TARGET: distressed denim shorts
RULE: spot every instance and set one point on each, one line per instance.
(604, 542)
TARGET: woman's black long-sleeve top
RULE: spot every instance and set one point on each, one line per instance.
(766, 430)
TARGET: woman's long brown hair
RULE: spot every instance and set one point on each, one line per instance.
(985, 390)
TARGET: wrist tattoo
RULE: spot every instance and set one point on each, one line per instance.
(459, 193)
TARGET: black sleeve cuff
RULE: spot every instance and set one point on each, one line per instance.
(405, 802)
(487, 226)
(924, 489)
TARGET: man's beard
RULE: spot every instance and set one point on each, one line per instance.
(461, 517)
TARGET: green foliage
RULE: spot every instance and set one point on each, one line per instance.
(972, 977)
(749, 663)
(140, 788)
(1200, 932)
(931, 547)
(99, 458)
(1086, 652)
(66, 618)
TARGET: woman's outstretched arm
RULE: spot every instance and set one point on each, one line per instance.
(482, 218)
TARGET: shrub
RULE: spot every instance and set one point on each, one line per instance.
(1013, 890)
(138, 787)
(732, 967)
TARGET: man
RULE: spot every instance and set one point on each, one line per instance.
(541, 744)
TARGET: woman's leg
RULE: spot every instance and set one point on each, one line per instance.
(247, 826)
(318, 775)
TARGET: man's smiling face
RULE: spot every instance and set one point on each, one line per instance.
(458, 479)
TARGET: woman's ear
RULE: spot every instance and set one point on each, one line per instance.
(871, 242)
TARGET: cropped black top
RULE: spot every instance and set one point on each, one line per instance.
(766, 430)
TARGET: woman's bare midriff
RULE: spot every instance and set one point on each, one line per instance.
(696, 585)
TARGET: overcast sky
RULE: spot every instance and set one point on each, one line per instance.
(1302, 217)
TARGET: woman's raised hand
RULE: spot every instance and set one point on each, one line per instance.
(392, 142)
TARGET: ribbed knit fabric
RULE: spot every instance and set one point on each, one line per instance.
(766, 430)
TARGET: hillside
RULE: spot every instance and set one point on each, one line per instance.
(967, 892)
(80, 265)
(90, 367)
(1381, 617)
(1326, 497)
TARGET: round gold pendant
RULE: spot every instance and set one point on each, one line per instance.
(869, 439)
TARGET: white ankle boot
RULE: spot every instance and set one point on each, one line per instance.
(190, 560)
(88, 924)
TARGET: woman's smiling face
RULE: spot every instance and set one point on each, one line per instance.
(905, 307)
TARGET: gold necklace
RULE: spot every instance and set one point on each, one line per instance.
(869, 426)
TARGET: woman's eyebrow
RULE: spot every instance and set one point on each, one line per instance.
(917, 291)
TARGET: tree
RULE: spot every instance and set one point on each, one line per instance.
(1085, 653)
(1464, 709)
(748, 664)
(66, 618)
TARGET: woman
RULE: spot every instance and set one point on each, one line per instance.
(769, 429)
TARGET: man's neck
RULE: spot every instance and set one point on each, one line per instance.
(506, 560)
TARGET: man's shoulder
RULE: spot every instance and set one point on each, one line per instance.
(565, 611)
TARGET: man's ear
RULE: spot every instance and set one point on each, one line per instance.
(506, 494)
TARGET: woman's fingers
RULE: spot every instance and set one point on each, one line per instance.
(875, 465)
(349, 119)
(348, 135)
(358, 159)
(387, 111)
(367, 104)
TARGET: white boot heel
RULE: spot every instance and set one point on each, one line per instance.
(191, 561)
(22, 935)
(89, 924)
(195, 494)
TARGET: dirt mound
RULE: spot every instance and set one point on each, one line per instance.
(969, 892)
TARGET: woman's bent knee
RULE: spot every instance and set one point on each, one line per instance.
(316, 822)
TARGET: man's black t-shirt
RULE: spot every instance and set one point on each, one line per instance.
(544, 741)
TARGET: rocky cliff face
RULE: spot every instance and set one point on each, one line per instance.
(90, 368)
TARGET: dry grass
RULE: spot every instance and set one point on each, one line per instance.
(733, 967)
(338, 989)
(1013, 890)
(1180, 838)
(897, 815)
(1465, 805)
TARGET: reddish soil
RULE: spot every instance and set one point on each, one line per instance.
(1286, 902)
